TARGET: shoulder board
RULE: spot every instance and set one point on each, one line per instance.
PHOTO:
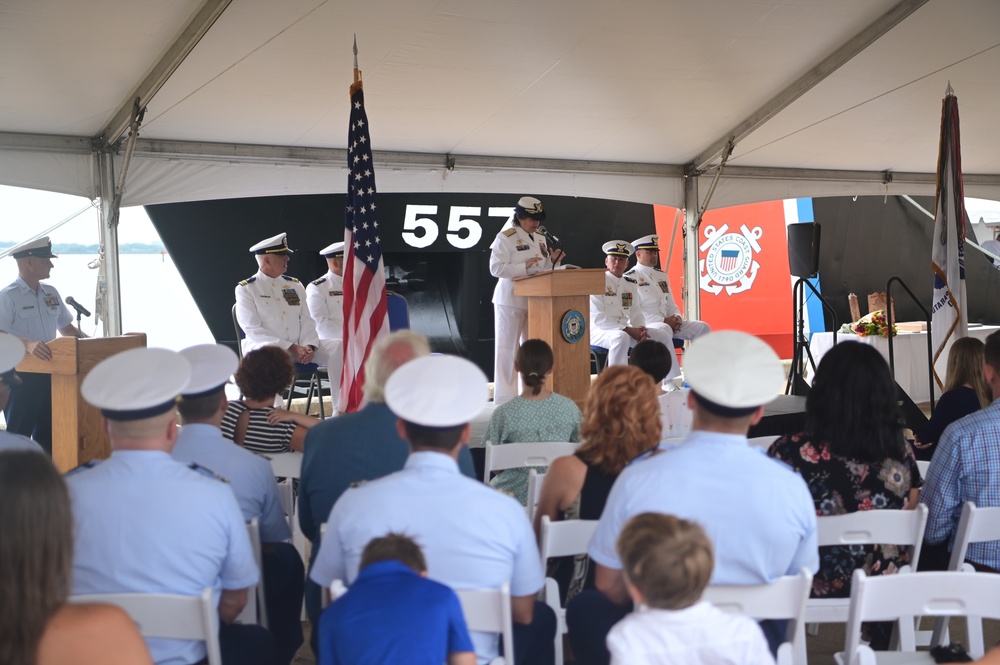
(247, 281)
(320, 280)
(357, 483)
(629, 279)
(83, 467)
(630, 271)
(289, 279)
(655, 269)
(205, 471)
(510, 232)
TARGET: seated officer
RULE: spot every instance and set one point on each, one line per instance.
(146, 523)
(616, 321)
(200, 440)
(473, 536)
(325, 298)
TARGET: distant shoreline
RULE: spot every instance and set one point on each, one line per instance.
(71, 248)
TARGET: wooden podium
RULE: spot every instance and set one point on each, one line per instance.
(550, 296)
(77, 433)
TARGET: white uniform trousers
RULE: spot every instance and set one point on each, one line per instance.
(511, 330)
(618, 342)
(689, 330)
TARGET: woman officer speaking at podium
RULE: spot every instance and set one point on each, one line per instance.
(517, 251)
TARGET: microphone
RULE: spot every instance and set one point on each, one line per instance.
(80, 309)
(552, 241)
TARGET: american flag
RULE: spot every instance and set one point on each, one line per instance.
(366, 316)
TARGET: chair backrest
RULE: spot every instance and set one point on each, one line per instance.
(977, 525)
(565, 537)
(399, 311)
(168, 616)
(522, 455)
(286, 465)
(762, 441)
(240, 335)
(535, 481)
(906, 595)
(489, 611)
(875, 527)
(922, 466)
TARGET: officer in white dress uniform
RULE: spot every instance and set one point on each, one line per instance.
(146, 523)
(473, 537)
(518, 251)
(11, 353)
(616, 321)
(200, 440)
(325, 298)
(271, 306)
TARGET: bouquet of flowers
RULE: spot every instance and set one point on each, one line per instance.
(873, 323)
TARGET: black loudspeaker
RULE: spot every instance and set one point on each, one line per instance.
(803, 249)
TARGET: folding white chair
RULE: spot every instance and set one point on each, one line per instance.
(922, 466)
(762, 441)
(903, 597)
(255, 611)
(169, 616)
(563, 538)
(785, 598)
(489, 611)
(522, 455)
(535, 480)
(286, 465)
(289, 466)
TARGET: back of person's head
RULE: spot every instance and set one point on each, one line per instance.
(991, 354)
(36, 551)
(265, 372)
(669, 560)
(852, 405)
(653, 358)
(394, 547)
(965, 368)
(389, 354)
(534, 360)
(201, 408)
(621, 419)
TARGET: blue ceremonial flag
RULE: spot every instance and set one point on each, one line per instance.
(949, 316)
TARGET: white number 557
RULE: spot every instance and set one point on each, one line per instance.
(458, 223)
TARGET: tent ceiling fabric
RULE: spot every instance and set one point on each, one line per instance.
(640, 82)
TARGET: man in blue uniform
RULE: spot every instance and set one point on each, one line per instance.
(473, 536)
(34, 312)
(11, 353)
(146, 523)
(200, 440)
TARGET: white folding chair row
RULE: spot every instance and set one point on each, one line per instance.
(169, 616)
(286, 465)
(783, 599)
(563, 538)
(522, 455)
(489, 611)
(289, 466)
(906, 596)
(255, 611)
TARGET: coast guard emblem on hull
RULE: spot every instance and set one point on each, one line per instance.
(729, 263)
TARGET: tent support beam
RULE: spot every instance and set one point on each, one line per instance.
(161, 71)
(807, 81)
(692, 220)
(112, 291)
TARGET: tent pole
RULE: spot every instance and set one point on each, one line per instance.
(692, 220)
(109, 243)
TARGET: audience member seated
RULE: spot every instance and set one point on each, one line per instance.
(11, 352)
(357, 447)
(655, 359)
(965, 391)
(254, 422)
(666, 565)
(146, 523)
(394, 614)
(36, 561)
(758, 513)
(853, 457)
(537, 414)
(966, 467)
(473, 536)
(620, 423)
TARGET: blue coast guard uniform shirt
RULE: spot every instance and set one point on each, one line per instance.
(146, 523)
(249, 476)
(30, 315)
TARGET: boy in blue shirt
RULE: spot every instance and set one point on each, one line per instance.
(394, 614)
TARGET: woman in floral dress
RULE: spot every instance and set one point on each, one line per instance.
(853, 457)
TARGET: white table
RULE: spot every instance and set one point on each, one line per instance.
(909, 353)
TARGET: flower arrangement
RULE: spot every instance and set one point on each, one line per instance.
(873, 323)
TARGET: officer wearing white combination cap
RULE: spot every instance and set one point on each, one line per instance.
(616, 321)
(516, 252)
(757, 511)
(11, 353)
(271, 307)
(146, 523)
(472, 536)
(325, 298)
(34, 312)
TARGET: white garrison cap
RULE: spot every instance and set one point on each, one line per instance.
(617, 248)
(732, 373)
(41, 247)
(137, 384)
(211, 367)
(332, 251)
(650, 242)
(273, 245)
(11, 352)
(437, 391)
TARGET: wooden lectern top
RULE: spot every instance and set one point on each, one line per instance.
(72, 355)
(567, 282)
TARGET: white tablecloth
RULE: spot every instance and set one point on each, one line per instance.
(909, 353)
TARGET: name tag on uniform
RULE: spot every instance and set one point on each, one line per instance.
(291, 296)
(336, 293)
(521, 246)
